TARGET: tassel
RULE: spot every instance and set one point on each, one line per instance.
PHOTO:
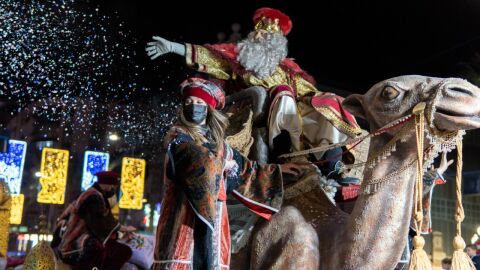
(460, 259)
(419, 259)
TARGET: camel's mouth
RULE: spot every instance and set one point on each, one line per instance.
(450, 120)
(458, 108)
(448, 112)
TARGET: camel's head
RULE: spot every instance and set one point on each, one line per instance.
(455, 102)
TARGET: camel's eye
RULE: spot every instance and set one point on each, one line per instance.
(389, 93)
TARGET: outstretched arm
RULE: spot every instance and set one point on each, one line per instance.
(196, 56)
(160, 46)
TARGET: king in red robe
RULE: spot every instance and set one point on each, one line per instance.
(311, 117)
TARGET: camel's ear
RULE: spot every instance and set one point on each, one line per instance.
(354, 104)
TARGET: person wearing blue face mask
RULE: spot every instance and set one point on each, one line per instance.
(200, 170)
(195, 113)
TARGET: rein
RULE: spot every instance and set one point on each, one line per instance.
(354, 142)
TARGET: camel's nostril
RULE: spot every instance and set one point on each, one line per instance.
(460, 90)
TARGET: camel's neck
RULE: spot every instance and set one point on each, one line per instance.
(377, 230)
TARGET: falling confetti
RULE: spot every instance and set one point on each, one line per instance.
(68, 64)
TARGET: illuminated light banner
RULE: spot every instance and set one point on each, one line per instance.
(53, 179)
(16, 210)
(5, 205)
(94, 162)
(132, 183)
(11, 165)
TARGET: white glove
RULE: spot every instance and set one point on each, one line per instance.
(162, 46)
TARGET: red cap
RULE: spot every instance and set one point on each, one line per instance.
(108, 178)
(200, 93)
(208, 90)
(284, 21)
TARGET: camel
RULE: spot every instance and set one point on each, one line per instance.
(309, 232)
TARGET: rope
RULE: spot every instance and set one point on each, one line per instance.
(459, 212)
(355, 141)
(419, 132)
(419, 259)
(460, 260)
(322, 161)
(387, 148)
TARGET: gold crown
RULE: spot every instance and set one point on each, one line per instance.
(268, 25)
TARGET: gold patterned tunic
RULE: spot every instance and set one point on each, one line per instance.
(203, 59)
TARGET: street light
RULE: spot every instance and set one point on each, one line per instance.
(113, 137)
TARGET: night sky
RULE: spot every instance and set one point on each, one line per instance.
(80, 66)
(344, 44)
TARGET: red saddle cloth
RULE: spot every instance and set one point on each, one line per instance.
(347, 193)
(346, 197)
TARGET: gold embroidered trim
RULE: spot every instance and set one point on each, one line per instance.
(242, 140)
(209, 63)
(189, 55)
(304, 87)
(336, 121)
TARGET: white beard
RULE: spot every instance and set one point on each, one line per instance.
(262, 56)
